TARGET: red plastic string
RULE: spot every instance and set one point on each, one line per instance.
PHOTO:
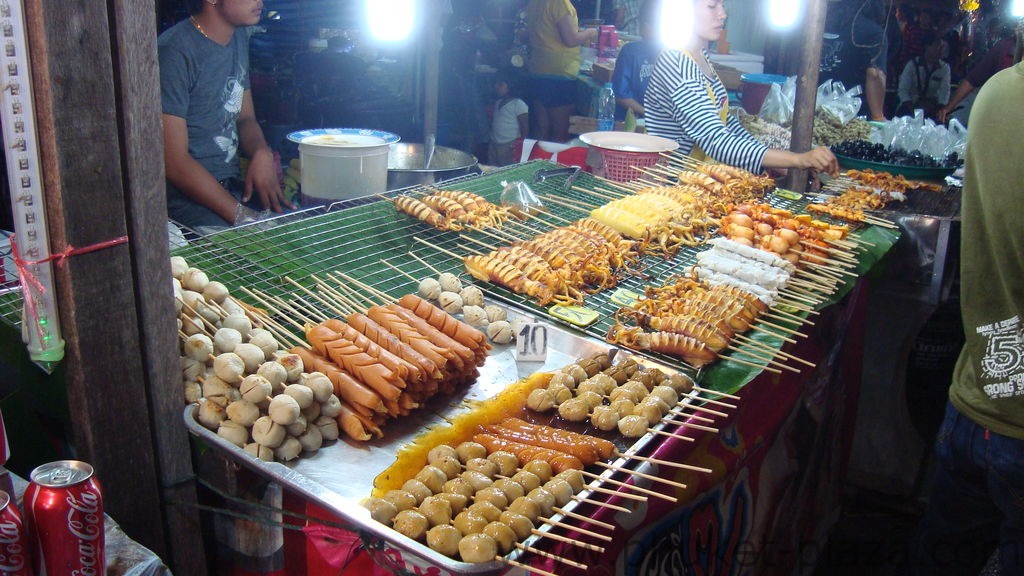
(31, 284)
(336, 546)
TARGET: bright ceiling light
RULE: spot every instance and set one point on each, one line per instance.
(391, 20)
(676, 23)
(784, 14)
(1018, 9)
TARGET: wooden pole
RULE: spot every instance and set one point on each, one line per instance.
(94, 73)
(807, 88)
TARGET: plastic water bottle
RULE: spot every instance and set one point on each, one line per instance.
(606, 108)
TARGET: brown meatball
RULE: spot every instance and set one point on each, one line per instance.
(483, 466)
(574, 478)
(417, 489)
(432, 477)
(381, 510)
(541, 468)
(450, 465)
(402, 499)
(486, 509)
(469, 450)
(510, 488)
(477, 480)
(469, 522)
(459, 486)
(440, 452)
(503, 535)
(560, 489)
(478, 548)
(528, 480)
(506, 461)
(519, 524)
(544, 499)
(412, 523)
(438, 510)
(494, 496)
(527, 507)
(457, 501)
(444, 538)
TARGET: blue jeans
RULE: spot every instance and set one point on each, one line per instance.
(976, 502)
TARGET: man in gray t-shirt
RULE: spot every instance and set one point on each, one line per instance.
(208, 119)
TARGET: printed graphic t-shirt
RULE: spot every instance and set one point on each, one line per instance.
(988, 383)
(203, 82)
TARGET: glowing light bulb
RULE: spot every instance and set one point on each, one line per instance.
(391, 20)
(784, 14)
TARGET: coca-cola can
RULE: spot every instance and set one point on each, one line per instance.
(64, 514)
(15, 553)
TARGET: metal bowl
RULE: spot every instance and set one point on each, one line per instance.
(406, 165)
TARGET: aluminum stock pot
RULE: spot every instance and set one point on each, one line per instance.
(406, 165)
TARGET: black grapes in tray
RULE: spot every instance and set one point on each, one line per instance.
(864, 150)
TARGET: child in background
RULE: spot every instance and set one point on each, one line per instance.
(510, 122)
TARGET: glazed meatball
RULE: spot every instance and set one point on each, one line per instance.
(560, 489)
(457, 501)
(438, 510)
(417, 489)
(519, 524)
(450, 465)
(469, 450)
(459, 486)
(432, 477)
(477, 480)
(506, 461)
(483, 466)
(527, 507)
(478, 548)
(563, 379)
(632, 426)
(440, 452)
(510, 488)
(528, 480)
(492, 495)
(544, 499)
(469, 522)
(503, 535)
(604, 418)
(574, 410)
(541, 468)
(412, 523)
(381, 510)
(444, 538)
(488, 510)
(401, 499)
(540, 400)
(574, 478)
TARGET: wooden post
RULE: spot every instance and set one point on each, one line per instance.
(807, 88)
(94, 70)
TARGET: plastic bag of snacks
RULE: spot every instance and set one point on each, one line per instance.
(919, 133)
(841, 103)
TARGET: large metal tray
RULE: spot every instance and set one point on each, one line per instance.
(342, 473)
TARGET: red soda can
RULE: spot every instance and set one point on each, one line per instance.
(64, 513)
(15, 553)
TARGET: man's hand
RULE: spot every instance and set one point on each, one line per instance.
(261, 178)
(820, 159)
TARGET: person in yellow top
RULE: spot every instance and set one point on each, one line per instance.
(555, 40)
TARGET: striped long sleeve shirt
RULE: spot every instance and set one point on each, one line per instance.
(679, 107)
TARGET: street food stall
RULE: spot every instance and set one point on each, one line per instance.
(746, 470)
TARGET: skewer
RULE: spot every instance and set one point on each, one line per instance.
(769, 362)
(397, 269)
(672, 464)
(736, 348)
(711, 401)
(716, 392)
(690, 425)
(527, 567)
(578, 498)
(775, 334)
(436, 247)
(784, 329)
(569, 514)
(570, 203)
(204, 323)
(424, 262)
(616, 493)
(750, 364)
(595, 193)
(553, 536)
(604, 537)
(641, 475)
(670, 435)
(700, 418)
(640, 489)
(753, 342)
(698, 408)
(538, 552)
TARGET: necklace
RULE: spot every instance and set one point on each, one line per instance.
(199, 27)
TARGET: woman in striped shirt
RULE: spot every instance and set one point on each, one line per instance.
(686, 102)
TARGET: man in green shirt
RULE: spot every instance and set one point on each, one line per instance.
(976, 502)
